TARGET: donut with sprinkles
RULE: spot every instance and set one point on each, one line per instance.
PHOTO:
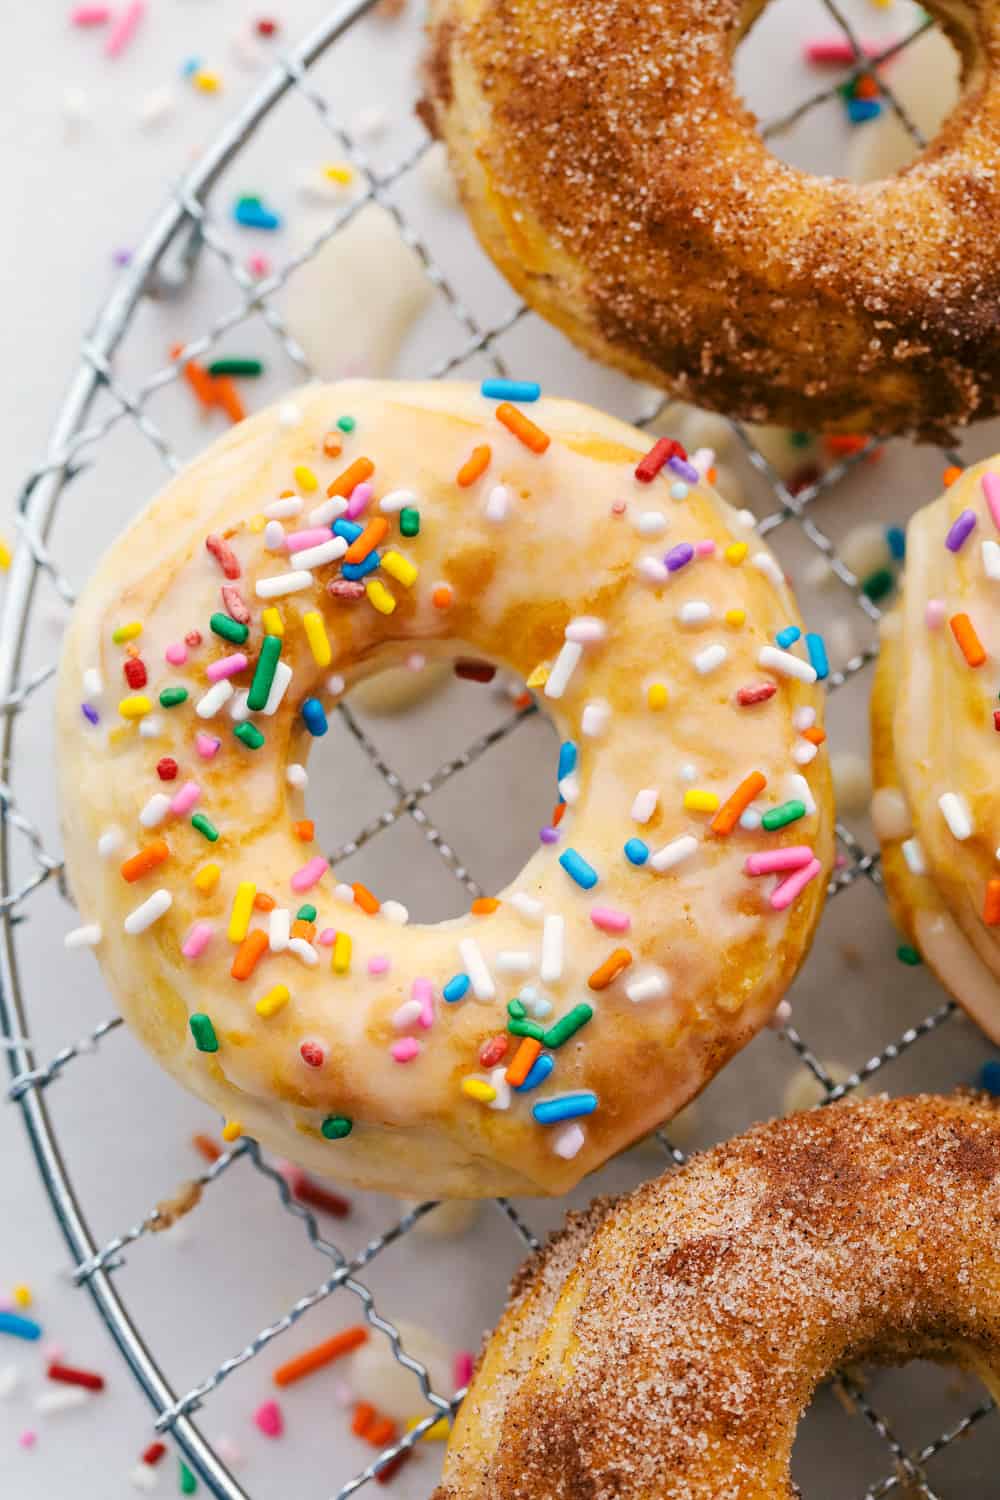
(674, 890)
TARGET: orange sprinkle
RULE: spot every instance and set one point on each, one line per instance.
(441, 597)
(320, 1355)
(484, 905)
(249, 953)
(355, 474)
(522, 427)
(712, 474)
(197, 378)
(866, 87)
(842, 444)
(523, 1061)
(369, 539)
(364, 898)
(206, 1147)
(228, 397)
(332, 445)
(475, 465)
(971, 646)
(558, 813)
(815, 735)
(607, 972)
(523, 700)
(263, 902)
(305, 830)
(381, 1432)
(951, 473)
(147, 859)
(729, 813)
(364, 1417)
(303, 929)
(991, 905)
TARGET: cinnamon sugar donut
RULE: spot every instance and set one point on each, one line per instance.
(611, 170)
(665, 1348)
(672, 896)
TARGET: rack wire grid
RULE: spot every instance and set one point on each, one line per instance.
(107, 406)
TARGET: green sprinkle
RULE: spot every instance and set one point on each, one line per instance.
(346, 424)
(188, 1483)
(229, 629)
(170, 697)
(236, 367)
(306, 913)
(335, 1127)
(567, 1026)
(778, 817)
(907, 954)
(201, 823)
(263, 676)
(409, 521)
(526, 1028)
(516, 1009)
(799, 439)
(203, 1032)
(249, 735)
(248, 200)
(878, 584)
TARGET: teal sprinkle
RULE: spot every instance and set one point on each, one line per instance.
(346, 424)
(878, 584)
(306, 913)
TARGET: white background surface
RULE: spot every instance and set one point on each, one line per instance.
(199, 1293)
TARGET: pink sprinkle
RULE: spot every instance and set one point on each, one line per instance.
(934, 614)
(405, 1050)
(792, 857)
(176, 654)
(991, 489)
(406, 1015)
(124, 28)
(53, 1353)
(229, 1452)
(838, 49)
(327, 937)
(379, 963)
(360, 498)
(787, 891)
(206, 745)
(423, 992)
(609, 920)
(705, 548)
(185, 799)
(462, 1369)
(618, 507)
(310, 874)
(224, 555)
(297, 541)
(28, 1438)
(7, 1304)
(226, 666)
(90, 15)
(269, 1420)
(258, 265)
(198, 939)
(234, 604)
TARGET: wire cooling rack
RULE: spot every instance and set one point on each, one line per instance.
(109, 405)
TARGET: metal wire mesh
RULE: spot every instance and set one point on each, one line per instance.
(187, 231)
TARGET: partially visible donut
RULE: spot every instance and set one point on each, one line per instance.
(669, 1346)
(612, 171)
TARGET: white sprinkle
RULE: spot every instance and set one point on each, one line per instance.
(991, 559)
(804, 717)
(335, 685)
(674, 853)
(595, 719)
(155, 811)
(274, 536)
(10, 1379)
(209, 703)
(527, 907)
(687, 774)
(568, 1141)
(93, 686)
(914, 856)
(474, 965)
(750, 819)
(66, 1399)
(84, 937)
(648, 984)
(395, 911)
(569, 789)
(110, 841)
(644, 805)
(805, 752)
(498, 1080)
(303, 950)
(344, 892)
(326, 552)
(289, 414)
(408, 1014)
(279, 686)
(144, 1477)
(515, 961)
(150, 726)
(586, 629)
(498, 504)
(535, 1004)
(785, 664)
(239, 709)
(565, 666)
(765, 563)
(279, 929)
(696, 612)
(397, 500)
(150, 911)
(156, 108)
(327, 510)
(781, 1016)
(652, 569)
(283, 583)
(279, 510)
(797, 789)
(709, 659)
(650, 523)
(702, 459)
(297, 775)
(553, 936)
(956, 814)
(746, 519)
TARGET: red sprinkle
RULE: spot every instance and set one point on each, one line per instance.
(346, 588)
(223, 554)
(70, 1376)
(193, 638)
(491, 1052)
(232, 603)
(135, 672)
(154, 1453)
(166, 768)
(312, 1054)
(315, 1196)
(266, 27)
(385, 1474)
(663, 449)
(471, 670)
(996, 720)
(759, 693)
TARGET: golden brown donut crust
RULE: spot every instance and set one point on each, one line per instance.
(670, 1350)
(613, 173)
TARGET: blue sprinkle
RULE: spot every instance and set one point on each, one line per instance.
(569, 1107)
(567, 759)
(989, 1077)
(21, 1328)
(314, 717)
(511, 390)
(90, 713)
(817, 655)
(788, 636)
(859, 110)
(456, 988)
(252, 214)
(349, 530)
(191, 66)
(578, 869)
(636, 852)
(539, 1071)
(354, 571)
(679, 490)
(896, 538)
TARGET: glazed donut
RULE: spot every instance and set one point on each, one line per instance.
(613, 174)
(632, 956)
(936, 807)
(669, 1344)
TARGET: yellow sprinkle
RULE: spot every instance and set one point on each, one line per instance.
(539, 676)
(399, 567)
(135, 706)
(207, 877)
(697, 800)
(338, 173)
(316, 635)
(5, 555)
(126, 632)
(484, 1093)
(736, 617)
(257, 522)
(272, 622)
(379, 596)
(305, 478)
(22, 1295)
(268, 1005)
(341, 961)
(239, 917)
(657, 695)
(735, 553)
(208, 83)
(436, 1433)
(232, 1130)
(119, 734)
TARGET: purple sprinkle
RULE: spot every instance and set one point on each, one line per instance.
(122, 257)
(683, 469)
(679, 556)
(549, 835)
(90, 714)
(960, 529)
